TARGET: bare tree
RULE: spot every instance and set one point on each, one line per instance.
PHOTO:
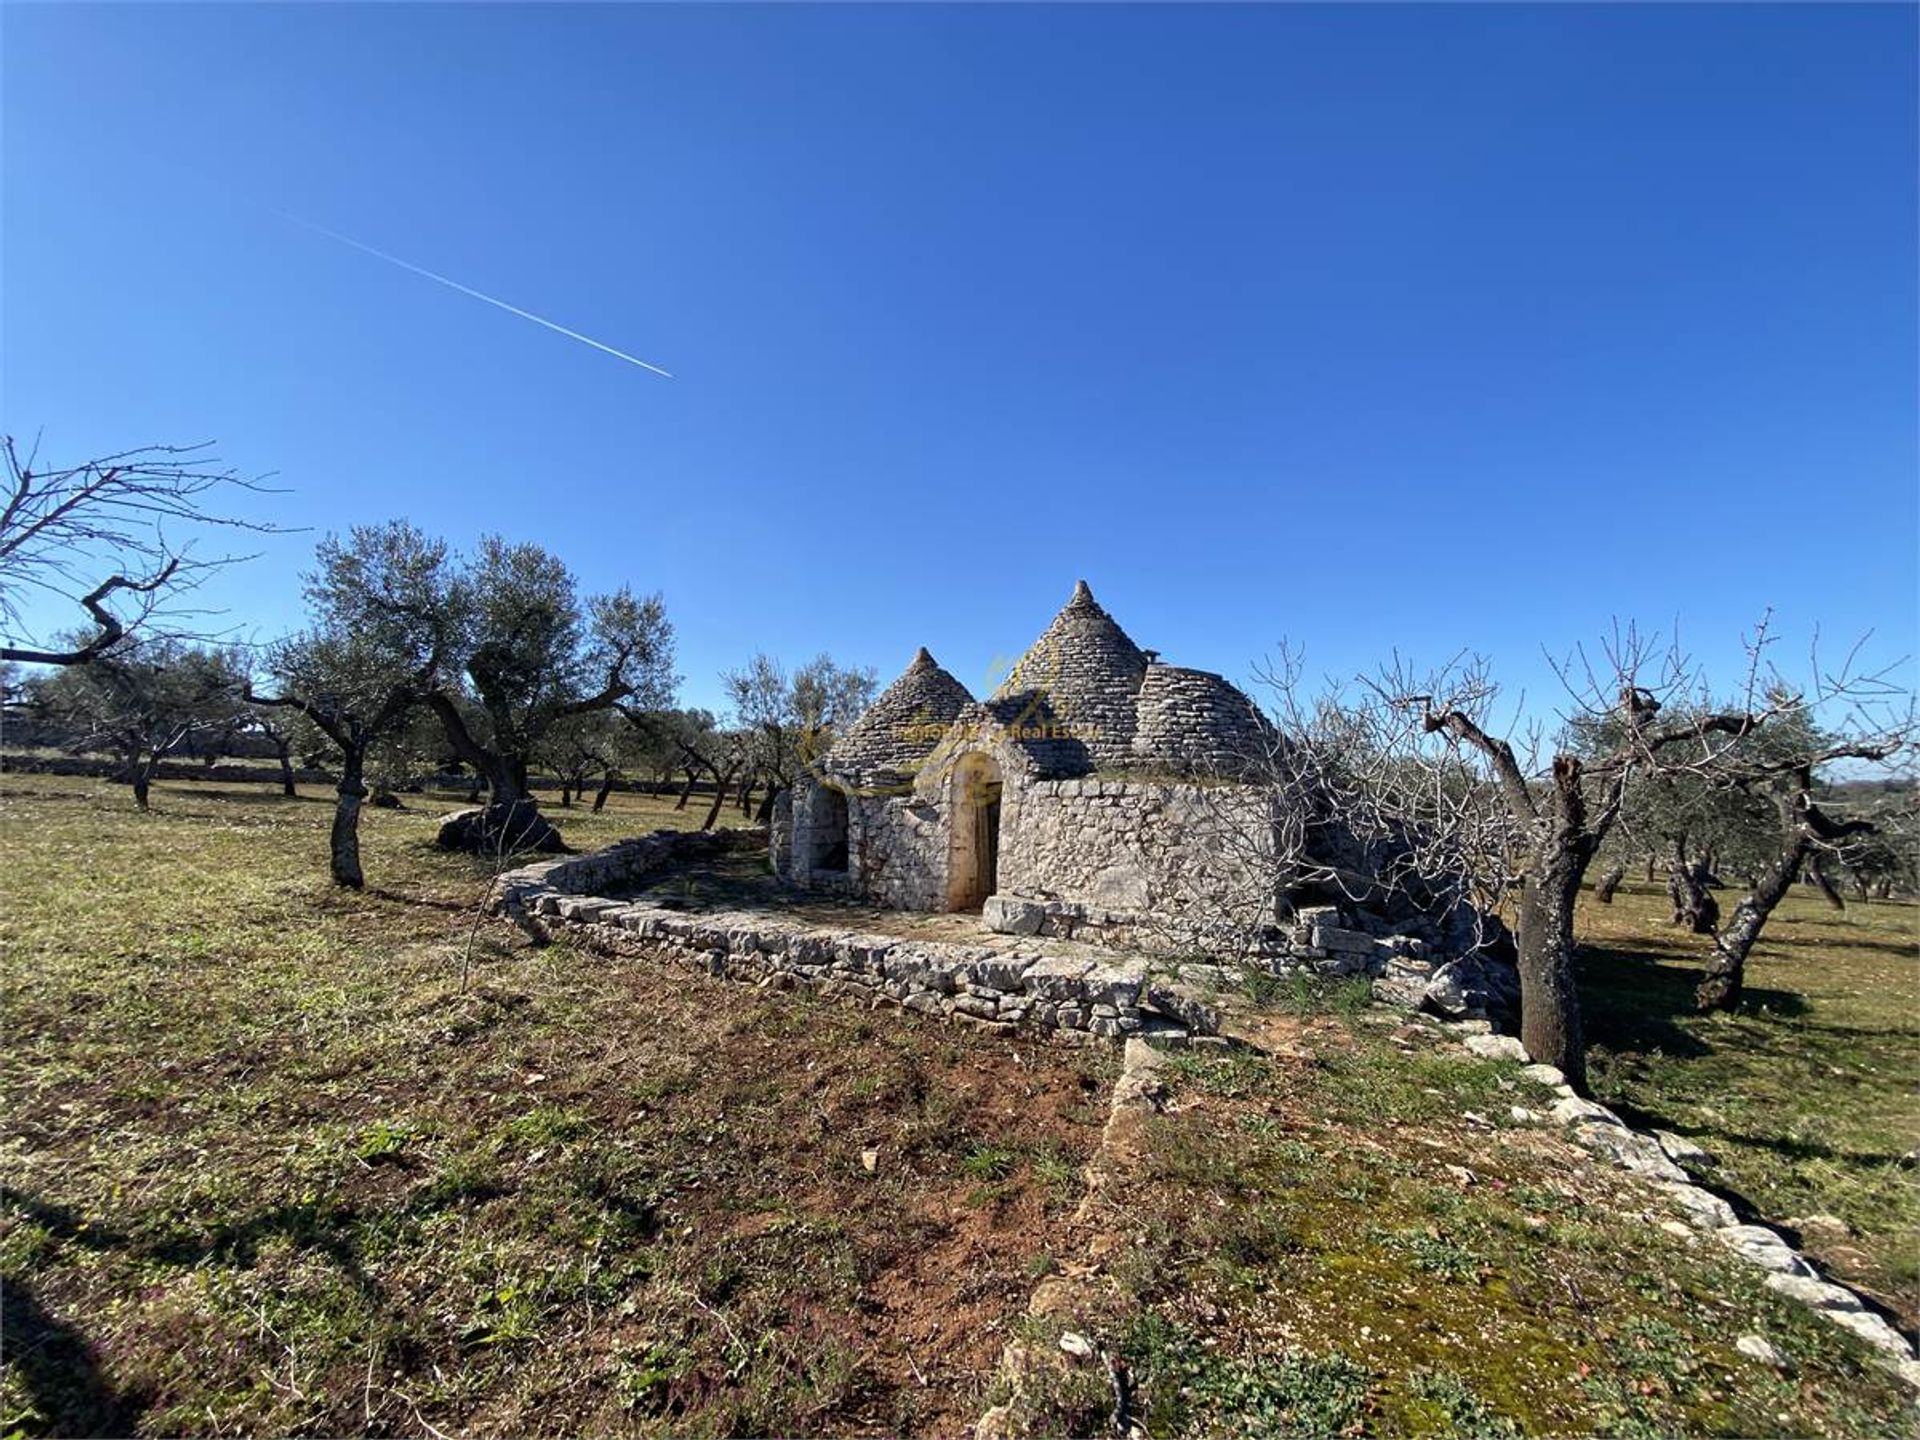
(144, 700)
(788, 721)
(1638, 713)
(111, 535)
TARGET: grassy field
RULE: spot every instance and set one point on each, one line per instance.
(1808, 1098)
(1321, 1241)
(283, 1158)
(271, 1168)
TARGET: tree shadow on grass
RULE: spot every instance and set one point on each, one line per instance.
(1634, 1002)
(60, 1369)
(250, 795)
(324, 1229)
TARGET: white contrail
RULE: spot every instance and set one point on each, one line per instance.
(469, 290)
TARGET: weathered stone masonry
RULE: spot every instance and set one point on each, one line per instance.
(1087, 784)
(1073, 998)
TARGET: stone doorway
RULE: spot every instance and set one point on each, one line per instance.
(974, 856)
(828, 838)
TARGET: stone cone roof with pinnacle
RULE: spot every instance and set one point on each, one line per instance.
(1079, 681)
(901, 728)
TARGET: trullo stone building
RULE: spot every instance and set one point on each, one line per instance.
(1087, 798)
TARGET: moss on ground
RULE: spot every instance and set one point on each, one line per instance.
(1322, 1243)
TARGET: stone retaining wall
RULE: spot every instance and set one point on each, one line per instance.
(1074, 998)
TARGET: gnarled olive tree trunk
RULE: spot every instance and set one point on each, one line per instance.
(1609, 882)
(1727, 966)
(1818, 878)
(343, 841)
(1550, 1022)
(1693, 903)
(1805, 830)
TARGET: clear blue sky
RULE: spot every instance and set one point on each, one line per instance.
(1366, 326)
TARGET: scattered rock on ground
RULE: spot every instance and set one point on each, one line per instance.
(1496, 1047)
(1759, 1349)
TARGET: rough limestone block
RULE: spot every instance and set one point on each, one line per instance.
(1353, 942)
(1756, 1347)
(1118, 984)
(921, 969)
(1574, 1111)
(1401, 994)
(1496, 1047)
(1056, 977)
(1808, 1290)
(1628, 1150)
(1182, 1004)
(1010, 915)
(1541, 1073)
(999, 972)
(1872, 1329)
(1758, 1245)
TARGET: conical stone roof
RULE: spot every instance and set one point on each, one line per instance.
(901, 728)
(1196, 723)
(1081, 677)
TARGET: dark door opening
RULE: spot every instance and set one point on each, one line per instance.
(974, 853)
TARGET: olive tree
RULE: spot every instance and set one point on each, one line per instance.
(1831, 720)
(385, 625)
(534, 655)
(148, 697)
(789, 719)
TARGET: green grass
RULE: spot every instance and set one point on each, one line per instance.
(1808, 1097)
(1318, 1243)
(270, 1168)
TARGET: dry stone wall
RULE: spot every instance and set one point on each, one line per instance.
(1155, 865)
(1072, 997)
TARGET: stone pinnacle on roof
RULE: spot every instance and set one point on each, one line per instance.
(901, 728)
(1087, 671)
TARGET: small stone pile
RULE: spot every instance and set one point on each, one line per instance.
(1411, 972)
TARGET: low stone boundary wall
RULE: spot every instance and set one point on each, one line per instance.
(101, 768)
(1660, 1158)
(1077, 999)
